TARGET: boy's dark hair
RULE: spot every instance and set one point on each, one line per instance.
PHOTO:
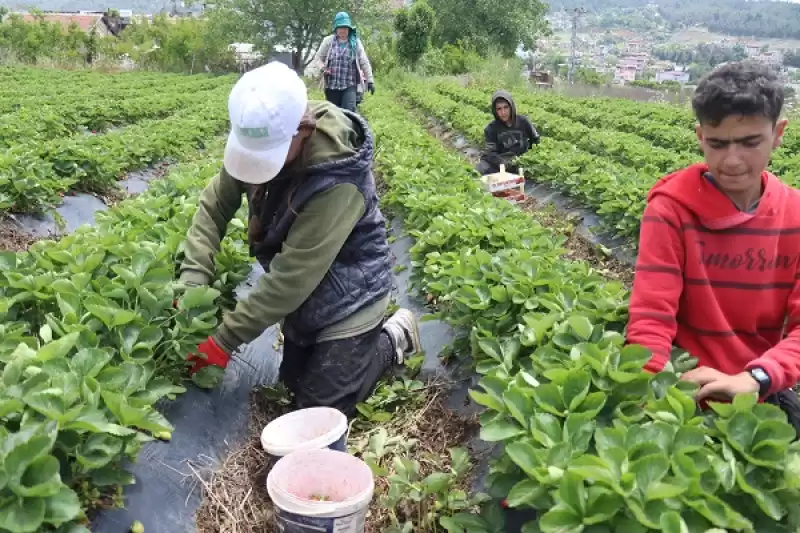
(746, 88)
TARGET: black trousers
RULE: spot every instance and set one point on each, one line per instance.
(790, 403)
(339, 373)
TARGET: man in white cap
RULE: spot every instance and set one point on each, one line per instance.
(316, 228)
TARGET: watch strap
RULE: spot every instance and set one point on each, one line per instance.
(761, 376)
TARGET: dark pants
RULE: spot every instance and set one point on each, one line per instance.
(485, 167)
(346, 98)
(788, 401)
(338, 373)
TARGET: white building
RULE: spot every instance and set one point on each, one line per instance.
(672, 75)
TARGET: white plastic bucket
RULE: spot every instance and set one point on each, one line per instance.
(344, 481)
(306, 429)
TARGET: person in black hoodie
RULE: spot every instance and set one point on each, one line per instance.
(508, 136)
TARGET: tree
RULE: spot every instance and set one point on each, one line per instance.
(415, 26)
(3, 12)
(299, 25)
(484, 24)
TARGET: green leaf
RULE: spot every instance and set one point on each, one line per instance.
(745, 402)
(437, 482)
(491, 348)
(197, 297)
(575, 388)
(526, 492)
(208, 377)
(90, 361)
(572, 493)
(671, 522)
(772, 430)
(112, 317)
(594, 469)
(21, 515)
(546, 429)
(649, 470)
(487, 400)
(560, 519)
(602, 505)
(58, 348)
(519, 405)
(500, 430)
(62, 507)
(663, 491)
(524, 455)
(41, 479)
(581, 326)
(689, 438)
(548, 397)
(741, 429)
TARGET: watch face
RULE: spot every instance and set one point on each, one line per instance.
(759, 374)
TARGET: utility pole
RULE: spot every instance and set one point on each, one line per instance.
(576, 14)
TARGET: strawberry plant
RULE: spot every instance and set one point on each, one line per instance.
(47, 157)
(591, 442)
(90, 342)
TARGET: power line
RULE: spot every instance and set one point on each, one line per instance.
(576, 14)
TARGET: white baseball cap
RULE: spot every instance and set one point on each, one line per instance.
(266, 106)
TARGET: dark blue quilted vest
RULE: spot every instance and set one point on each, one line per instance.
(361, 273)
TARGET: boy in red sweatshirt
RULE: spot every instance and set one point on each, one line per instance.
(718, 271)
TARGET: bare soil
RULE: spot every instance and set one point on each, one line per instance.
(12, 238)
(578, 247)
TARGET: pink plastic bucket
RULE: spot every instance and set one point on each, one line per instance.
(344, 482)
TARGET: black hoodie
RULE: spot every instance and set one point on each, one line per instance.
(504, 142)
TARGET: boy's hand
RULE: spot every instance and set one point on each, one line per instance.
(716, 385)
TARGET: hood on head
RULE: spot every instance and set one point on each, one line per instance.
(503, 95)
(342, 20)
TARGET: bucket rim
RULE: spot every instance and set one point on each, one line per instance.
(339, 428)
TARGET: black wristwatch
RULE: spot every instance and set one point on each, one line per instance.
(761, 376)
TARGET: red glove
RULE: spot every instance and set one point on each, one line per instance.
(215, 356)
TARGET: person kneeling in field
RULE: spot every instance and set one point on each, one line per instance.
(508, 136)
(315, 226)
(718, 270)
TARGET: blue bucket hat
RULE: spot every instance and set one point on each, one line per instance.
(342, 20)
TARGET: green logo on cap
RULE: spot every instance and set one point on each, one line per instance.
(255, 133)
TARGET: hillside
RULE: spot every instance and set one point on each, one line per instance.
(733, 17)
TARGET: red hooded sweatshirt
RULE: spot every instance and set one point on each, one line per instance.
(719, 282)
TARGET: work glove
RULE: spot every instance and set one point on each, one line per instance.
(207, 372)
(371, 88)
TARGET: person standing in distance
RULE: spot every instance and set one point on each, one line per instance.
(344, 64)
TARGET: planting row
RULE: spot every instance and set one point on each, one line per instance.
(49, 121)
(661, 134)
(34, 176)
(648, 121)
(22, 83)
(90, 341)
(614, 191)
(55, 93)
(626, 149)
(591, 443)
